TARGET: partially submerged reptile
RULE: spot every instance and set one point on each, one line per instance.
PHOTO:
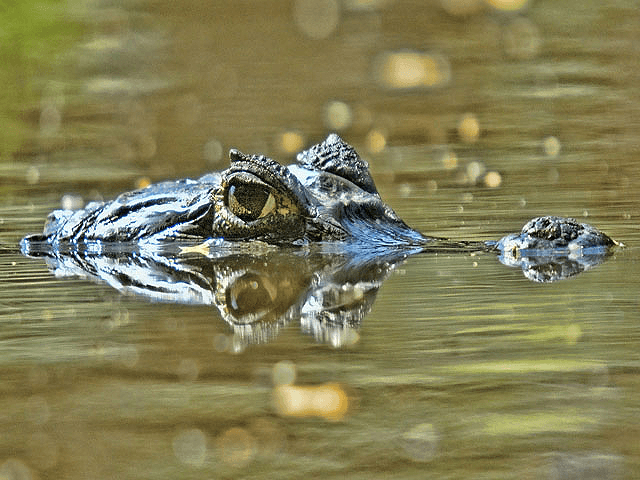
(328, 196)
(268, 244)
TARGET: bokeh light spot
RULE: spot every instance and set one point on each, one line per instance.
(15, 469)
(221, 342)
(188, 370)
(329, 401)
(51, 106)
(420, 443)
(469, 128)
(190, 447)
(405, 190)
(462, 7)
(449, 160)
(236, 447)
(71, 202)
(338, 115)
(376, 141)
(584, 465)
(507, 5)
(574, 334)
(237, 344)
(213, 152)
(33, 175)
(143, 182)
(475, 170)
(551, 146)
(270, 437)
(290, 142)
(129, 355)
(284, 373)
(408, 70)
(50, 120)
(522, 39)
(316, 18)
(344, 337)
(492, 179)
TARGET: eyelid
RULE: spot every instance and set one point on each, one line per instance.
(246, 178)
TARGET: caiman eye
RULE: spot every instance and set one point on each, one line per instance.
(250, 200)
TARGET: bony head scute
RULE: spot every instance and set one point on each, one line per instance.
(236, 155)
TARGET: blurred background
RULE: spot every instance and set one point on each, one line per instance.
(468, 87)
(475, 115)
(538, 96)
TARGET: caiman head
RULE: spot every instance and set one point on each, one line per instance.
(328, 195)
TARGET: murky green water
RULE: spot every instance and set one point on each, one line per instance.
(472, 124)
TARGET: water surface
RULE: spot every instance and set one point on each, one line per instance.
(472, 124)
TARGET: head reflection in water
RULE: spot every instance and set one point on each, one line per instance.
(255, 294)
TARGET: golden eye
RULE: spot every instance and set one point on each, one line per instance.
(250, 201)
